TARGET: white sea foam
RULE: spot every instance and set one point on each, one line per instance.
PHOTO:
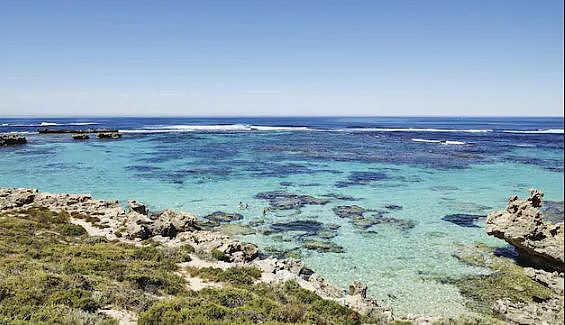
(214, 128)
(49, 124)
(22, 132)
(448, 142)
(444, 142)
(415, 130)
(62, 124)
(547, 131)
(426, 140)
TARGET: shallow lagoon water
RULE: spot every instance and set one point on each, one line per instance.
(168, 163)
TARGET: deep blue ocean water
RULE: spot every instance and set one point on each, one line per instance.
(425, 184)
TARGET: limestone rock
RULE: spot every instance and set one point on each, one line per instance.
(522, 225)
(16, 197)
(358, 288)
(552, 280)
(139, 226)
(168, 223)
(547, 312)
(136, 207)
(250, 251)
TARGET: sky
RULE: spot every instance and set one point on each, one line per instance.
(310, 57)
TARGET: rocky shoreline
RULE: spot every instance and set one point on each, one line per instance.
(520, 224)
(11, 139)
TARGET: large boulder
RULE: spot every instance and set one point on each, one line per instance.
(538, 242)
(168, 223)
(139, 226)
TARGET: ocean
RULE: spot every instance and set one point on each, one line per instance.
(391, 199)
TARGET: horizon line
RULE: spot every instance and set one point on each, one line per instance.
(279, 116)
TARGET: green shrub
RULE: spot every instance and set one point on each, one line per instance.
(48, 272)
(218, 255)
(237, 275)
(70, 229)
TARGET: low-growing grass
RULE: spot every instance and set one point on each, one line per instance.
(247, 304)
(50, 267)
(238, 275)
(51, 271)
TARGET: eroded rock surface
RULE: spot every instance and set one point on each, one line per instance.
(522, 225)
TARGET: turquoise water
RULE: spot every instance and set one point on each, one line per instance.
(203, 172)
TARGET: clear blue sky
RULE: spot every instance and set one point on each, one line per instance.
(425, 57)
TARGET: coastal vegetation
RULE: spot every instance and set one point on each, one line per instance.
(51, 271)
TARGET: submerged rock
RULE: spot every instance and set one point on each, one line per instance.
(356, 214)
(11, 140)
(463, 220)
(323, 246)
(522, 225)
(221, 217)
(361, 178)
(393, 207)
(307, 226)
(235, 230)
(552, 211)
(281, 200)
(341, 197)
(349, 211)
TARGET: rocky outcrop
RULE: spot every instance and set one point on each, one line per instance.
(139, 226)
(522, 225)
(13, 198)
(169, 223)
(546, 312)
(11, 140)
(111, 135)
(134, 206)
(83, 136)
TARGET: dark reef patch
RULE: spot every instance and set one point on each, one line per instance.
(323, 246)
(362, 178)
(341, 197)
(308, 226)
(281, 200)
(349, 211)
(222, 217)
(357, 216)
(463, 220)
(552, 211)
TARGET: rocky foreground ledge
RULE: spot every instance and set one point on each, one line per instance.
(210, 252)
